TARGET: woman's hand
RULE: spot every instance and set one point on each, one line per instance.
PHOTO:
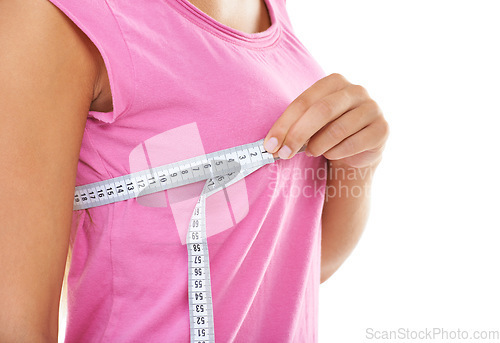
(335, 119)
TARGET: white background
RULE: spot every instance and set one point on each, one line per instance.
(429, 257)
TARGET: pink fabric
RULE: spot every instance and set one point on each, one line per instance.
(183, 85)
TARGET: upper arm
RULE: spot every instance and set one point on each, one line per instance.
(47, 77)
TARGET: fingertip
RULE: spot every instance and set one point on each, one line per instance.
(285, 152)
(271, 144)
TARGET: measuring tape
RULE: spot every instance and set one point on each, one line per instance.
(221, 169)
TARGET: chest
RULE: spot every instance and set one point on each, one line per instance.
(245, 16)
(224, 87)
(249, 16)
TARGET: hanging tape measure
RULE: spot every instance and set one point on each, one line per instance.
(221, 169)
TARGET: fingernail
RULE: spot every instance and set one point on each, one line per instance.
(271, 144)
(284, 152)
(308, 153)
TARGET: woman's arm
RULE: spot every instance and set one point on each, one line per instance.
(47, 76)
(345, 212)
(341, 122)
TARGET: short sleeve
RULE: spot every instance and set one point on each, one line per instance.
(96, 19)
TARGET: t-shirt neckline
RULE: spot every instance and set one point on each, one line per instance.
(261, 39)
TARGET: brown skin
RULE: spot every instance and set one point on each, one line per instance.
(249, 16)
(48, 73)
(343, 220)
(340, 121)
(337, 120)
(50, 78)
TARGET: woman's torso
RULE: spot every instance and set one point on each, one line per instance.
(183, 85)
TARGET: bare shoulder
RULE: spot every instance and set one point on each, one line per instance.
(39, 36)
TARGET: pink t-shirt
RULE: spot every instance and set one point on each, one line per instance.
(184, 85)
